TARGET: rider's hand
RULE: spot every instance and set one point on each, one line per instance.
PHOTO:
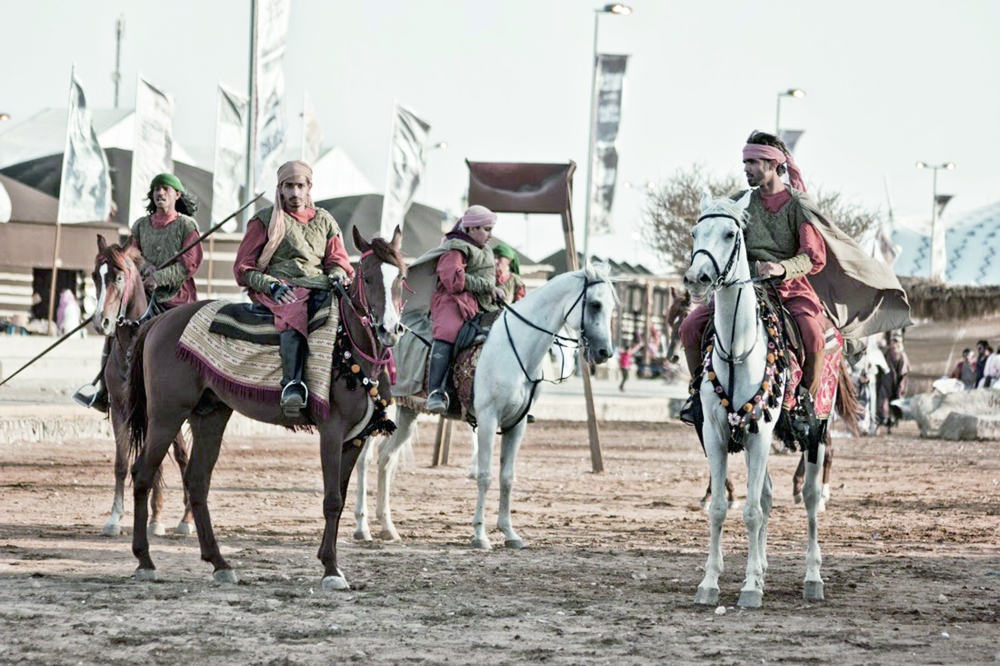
(499, 293)
(338, 279)
(766, 269)
(148, 272)
(282, 293)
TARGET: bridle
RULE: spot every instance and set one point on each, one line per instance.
(721, 275)
(368, 322)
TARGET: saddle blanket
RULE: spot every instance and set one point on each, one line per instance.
(253, 370)
(463, 374)
(828, 377)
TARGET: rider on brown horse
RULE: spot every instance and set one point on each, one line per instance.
(160, 235)
(288, 251)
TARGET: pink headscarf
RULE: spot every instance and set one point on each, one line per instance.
(477, 216)
(276, 229)
(762, 152)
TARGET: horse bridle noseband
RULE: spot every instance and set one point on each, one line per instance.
(367, 319)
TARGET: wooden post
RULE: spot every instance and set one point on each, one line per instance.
(53, 329)
(437, 442)
(573, 264)
(446, 447)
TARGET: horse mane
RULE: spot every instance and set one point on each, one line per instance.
(600, 271)
(116, 254)
(386, 253)
(726, 206)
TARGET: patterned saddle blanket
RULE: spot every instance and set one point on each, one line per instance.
(460, 393)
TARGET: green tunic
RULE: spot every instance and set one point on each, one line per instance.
(480, 272)
(160, 245)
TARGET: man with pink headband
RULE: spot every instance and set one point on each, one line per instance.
(788, 238)
(289, 251)
(466, 286)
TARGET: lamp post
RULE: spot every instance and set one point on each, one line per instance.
(621, 10)
(791, 92)
(4, 116)
(937, 253)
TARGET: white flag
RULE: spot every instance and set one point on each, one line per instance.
(152, 150)
(312, 135)
(230, 156)
(939, 257)
(271, 26)
(5, 206)
(608, 106)
(406, 166)
(85, 185)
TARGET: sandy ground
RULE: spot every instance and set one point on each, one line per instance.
(910, 545)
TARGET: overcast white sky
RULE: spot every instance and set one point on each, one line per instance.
(888, 83)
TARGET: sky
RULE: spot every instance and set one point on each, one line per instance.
(888, 83)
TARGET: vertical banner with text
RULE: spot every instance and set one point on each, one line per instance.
(152, 149)
(85, 184)
(312, 135)
(406, 166)
(608, 109)
(271, 26)
(230, 156)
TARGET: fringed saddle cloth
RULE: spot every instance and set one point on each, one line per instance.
(828, 377)
(463, 374)
(253, 369)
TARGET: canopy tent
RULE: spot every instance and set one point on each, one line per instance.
(421, 227)
(29, 204)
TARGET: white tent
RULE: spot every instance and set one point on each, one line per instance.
(971, 245)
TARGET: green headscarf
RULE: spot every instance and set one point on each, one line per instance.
(504, 250)
(169, 180)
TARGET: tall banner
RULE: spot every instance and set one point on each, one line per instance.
(230, 155)
(152, 149)
(85, 185)
(939, 255)
(312, 135)
(271, 29)
(608, 109)
(407, 138)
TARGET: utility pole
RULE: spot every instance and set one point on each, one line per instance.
(116, 77)
(251, 114)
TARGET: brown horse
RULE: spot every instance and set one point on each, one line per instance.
(121, 303)
(165, 392)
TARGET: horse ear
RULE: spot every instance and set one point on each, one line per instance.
(397, 239)
(359, 243)
(706, 200)
(102, 244)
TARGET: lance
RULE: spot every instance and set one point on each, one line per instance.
(160, 267)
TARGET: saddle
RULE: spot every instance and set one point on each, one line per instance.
(253, 322)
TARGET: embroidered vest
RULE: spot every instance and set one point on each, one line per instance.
(478, 265)
(511, 286)
(772, 236)
(301, 252)
(160, 245)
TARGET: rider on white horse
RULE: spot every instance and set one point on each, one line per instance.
(822, 270)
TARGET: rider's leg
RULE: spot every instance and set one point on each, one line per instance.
(99, 399)
(692, 331)
(440, 360)
(294, 350)
(811, 328)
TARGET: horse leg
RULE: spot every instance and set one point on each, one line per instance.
(756, 451)
(827, 464)
(510, 443)
(474, 464)
(730, 499)
(159, 433)
(206, 433)
(797, 479)
(766, 502)
(388, 459)
(186, 526)
(707, 497)
(112, 527)
(156, 525)
(715, 448)
(813, 589)
(331, 452)
(362, 532)
(487, 429)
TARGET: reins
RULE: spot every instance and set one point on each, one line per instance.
(367, 320)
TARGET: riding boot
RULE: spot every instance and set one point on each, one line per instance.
(294, 394)
(812, 372)
(691, 412)
(437, 383)
(99, 399)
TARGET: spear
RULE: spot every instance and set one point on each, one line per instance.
(168, 262)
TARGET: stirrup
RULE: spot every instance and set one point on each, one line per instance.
(437, 402)
(294, 400)
(691, 411)
(92, 401)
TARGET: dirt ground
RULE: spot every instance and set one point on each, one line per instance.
(910, 545)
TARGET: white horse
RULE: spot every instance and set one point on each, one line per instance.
(740, 363)
(507, 375)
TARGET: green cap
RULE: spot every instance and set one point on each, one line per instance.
(504, 250)
(168, 179)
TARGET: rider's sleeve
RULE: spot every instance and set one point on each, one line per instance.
(245, 266)
(175, 274)
(812, 253)
(451, 271)
(336, 263)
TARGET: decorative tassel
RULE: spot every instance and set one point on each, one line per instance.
(767, 415)
(754, 428)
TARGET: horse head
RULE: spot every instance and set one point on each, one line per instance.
(120, 294)
(379, 284)
(598, 302)
(718, 245)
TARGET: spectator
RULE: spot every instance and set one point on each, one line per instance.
(625, 359)
(991, 371)
(965, 371)
(893, 382)
(983, 350)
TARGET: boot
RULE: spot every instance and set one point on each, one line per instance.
(294, 394)
(99, 399)
(691, 412)
(812, 373)
(437, 399)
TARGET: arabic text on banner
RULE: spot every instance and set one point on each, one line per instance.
(609, 88)
(406, 167)
(153, 146)
(85, 185)
(271, 24)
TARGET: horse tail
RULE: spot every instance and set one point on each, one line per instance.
(847, 404)
(136, 389)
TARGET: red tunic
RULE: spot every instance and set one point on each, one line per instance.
(451, 305)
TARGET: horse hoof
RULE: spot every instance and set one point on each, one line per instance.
(335, 584)
(707, 596)
(750, 599)
(362, 534)
(111, 530)
(389, 535)
(703, 504)
(225, 577)
(797, 497)
(813, 591)
(821, 507)
(735, 504)
(514, 544)
(145, 575)
(185, 529)
(157, 529)
(481, 543)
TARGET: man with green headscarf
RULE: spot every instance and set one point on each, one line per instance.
(508, 273)
(160, 235)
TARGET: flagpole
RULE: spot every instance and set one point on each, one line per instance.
(251, 112)
(52, 329)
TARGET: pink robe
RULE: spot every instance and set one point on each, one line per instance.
(451, 305)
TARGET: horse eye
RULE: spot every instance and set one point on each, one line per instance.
(731, 234)
(596, 307)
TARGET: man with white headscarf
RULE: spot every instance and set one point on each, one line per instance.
(288, 251)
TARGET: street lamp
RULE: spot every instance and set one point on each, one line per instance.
(791, 92)
(937, 253)
(4, 116)
(649, 185)
(620, 10)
